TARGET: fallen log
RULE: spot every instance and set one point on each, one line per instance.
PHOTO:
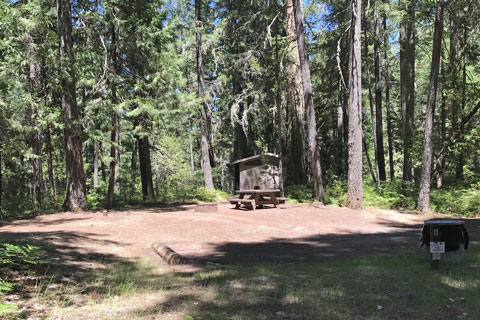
(167, 254)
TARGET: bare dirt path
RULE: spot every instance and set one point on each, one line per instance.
(293, 233)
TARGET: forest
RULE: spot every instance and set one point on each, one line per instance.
(117, 103)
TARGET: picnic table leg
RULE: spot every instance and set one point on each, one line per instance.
(274, 199)
(237, 206)
(257, 199)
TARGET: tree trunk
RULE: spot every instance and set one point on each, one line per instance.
(192, 161)
(240, 147)
(387, 102)
(296, 171)
(114, 155)
(279, 99)
(453, 92)
(461, 157)
(424, 195)
(95, 166)
(369, 162)
(51, 179)
(36, 164)
(145, 168)
(340, 129)
(102, 168)
(1, 180)
(378, 99)
(204, 125)
(133, 163)
(113, 161)
(35, 134)
(117, 185)
(370, 102)
(308, 102)
(440, 167)
(407, 86)
(76, 198)
(222, 173)
(355, 191)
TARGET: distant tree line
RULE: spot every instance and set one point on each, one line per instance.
(135, 101)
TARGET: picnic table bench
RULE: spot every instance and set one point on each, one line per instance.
(257, 197)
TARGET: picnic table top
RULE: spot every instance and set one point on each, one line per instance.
(258, 191)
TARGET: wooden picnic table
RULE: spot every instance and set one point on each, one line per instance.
(256, 197)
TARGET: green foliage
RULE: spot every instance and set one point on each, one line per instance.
(300, 193)
(96, 198)
(390, 195)
(13, 256)
(459, 201)
(21, 256)
(7, 308)
(5, 287)
(205, 195)
(247, 57)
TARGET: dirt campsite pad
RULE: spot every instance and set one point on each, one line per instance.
(293, 233)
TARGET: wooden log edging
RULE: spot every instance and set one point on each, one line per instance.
(167, 254)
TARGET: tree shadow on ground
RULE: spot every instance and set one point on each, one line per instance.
(279, 280)
(399, 287)
(62, 251)
(404, 238)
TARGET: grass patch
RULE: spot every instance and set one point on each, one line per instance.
(204, 195)
(401, 287)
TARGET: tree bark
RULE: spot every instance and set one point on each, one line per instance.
(240, 147)
(114, 138)
(453, 92)
(204, 125)
(113, 161)
(145, 168)
(280, 138)
(378, 99)
(51, 179)
(308, 102)
(102, 167)
(407, 86)
(340, 129)
(95, 166)
(192, 162)
(296, 171)
(461, 157)
(424, 194)
(76, 198)
(35, 133)
(369, 162)
(1, 180)
(36, 163)
(355, 189)
(387, 101)
(133, 163)
(372, 113)
(440, 167)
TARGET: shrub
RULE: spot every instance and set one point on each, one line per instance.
(205, 195)
(299, 193)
